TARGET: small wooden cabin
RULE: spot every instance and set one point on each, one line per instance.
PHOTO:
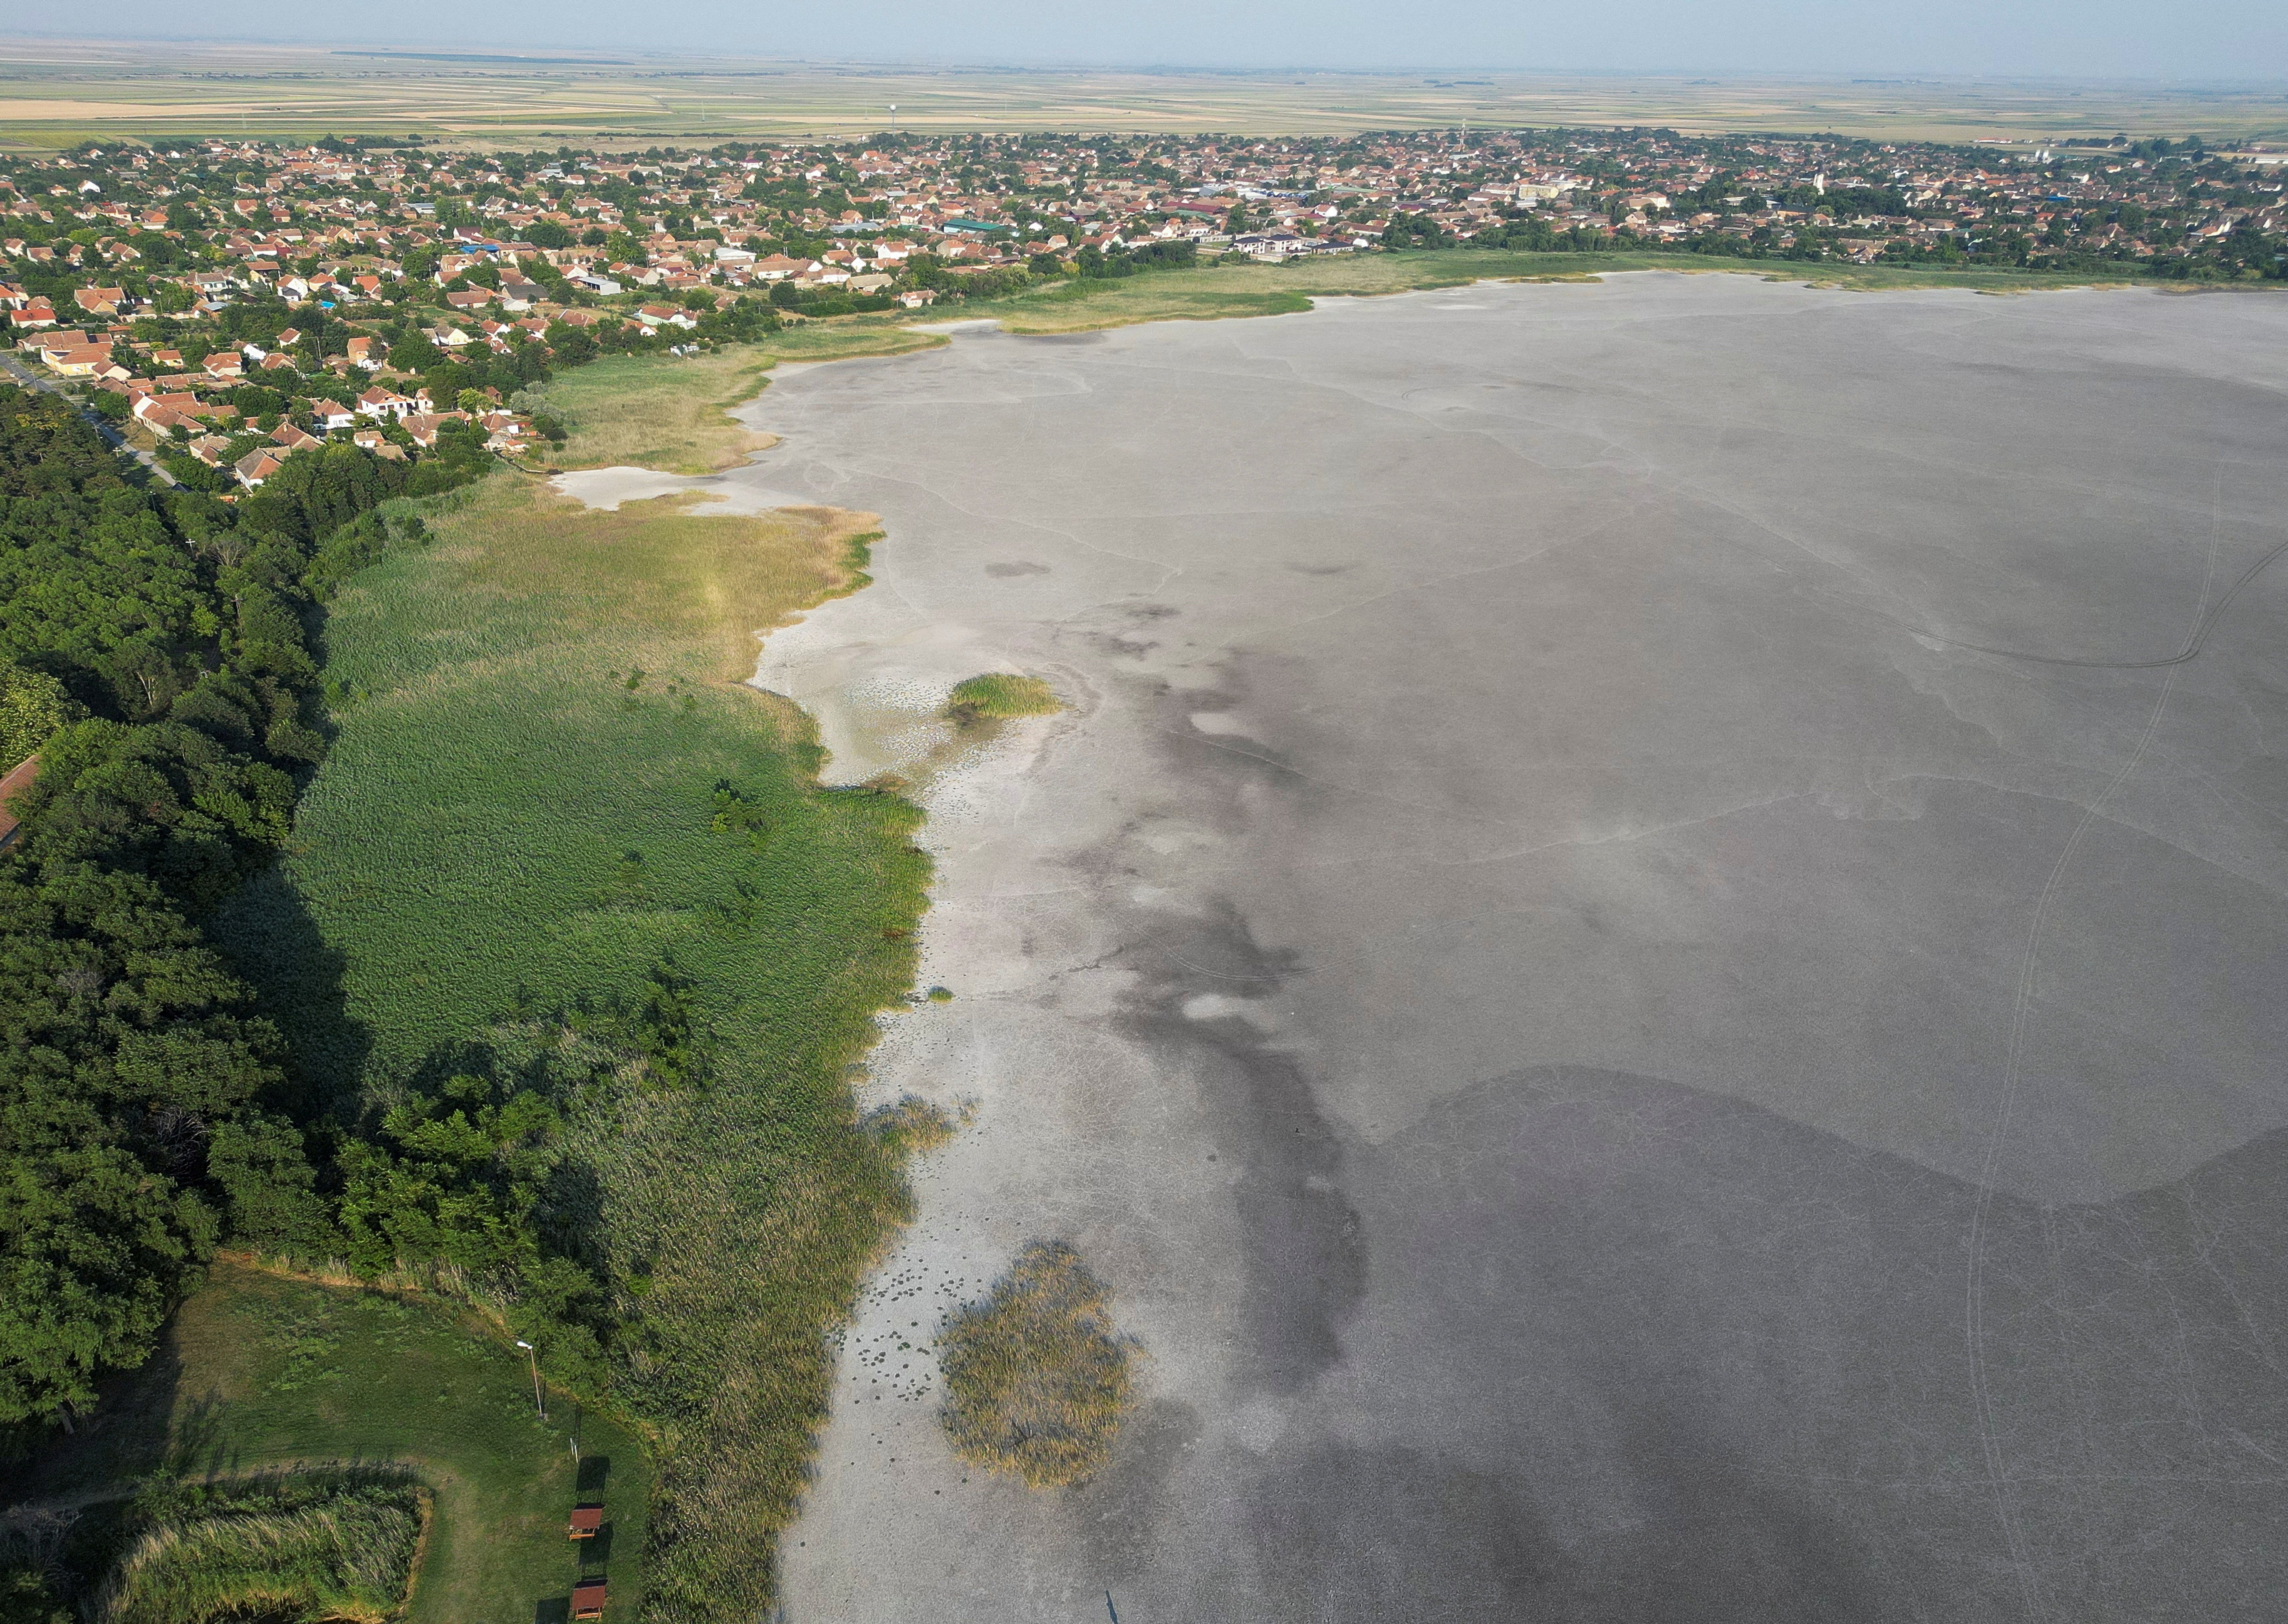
(588, 1599)
(587, 1522)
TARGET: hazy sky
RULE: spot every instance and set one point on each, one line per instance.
(2213, 39)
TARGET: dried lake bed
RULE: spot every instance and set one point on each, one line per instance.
(1651, 956)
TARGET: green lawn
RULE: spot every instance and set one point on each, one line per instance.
(261, 1371)
(519, 818)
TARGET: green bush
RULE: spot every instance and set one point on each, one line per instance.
(997, 696)
(34, 708)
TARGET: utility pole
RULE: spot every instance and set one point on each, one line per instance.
(534, 1354)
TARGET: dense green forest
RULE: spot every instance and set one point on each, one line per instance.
(159, 657)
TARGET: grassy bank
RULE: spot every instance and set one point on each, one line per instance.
(649, 411)
(259, 1370)
(536, 712)
(549, 797)
(1244, 288)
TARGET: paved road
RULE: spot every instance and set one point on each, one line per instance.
(31, 379)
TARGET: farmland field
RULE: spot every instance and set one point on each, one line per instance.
(58, 92)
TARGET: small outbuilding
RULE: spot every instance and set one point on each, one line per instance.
(588, 1599)
(587, 1522)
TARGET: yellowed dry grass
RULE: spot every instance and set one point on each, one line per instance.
(1036, 1377)
(914, 1126)
(851, 338)
(61, 91)
(350, 1557)
(672, 413)
(649, 411)
(662, 573)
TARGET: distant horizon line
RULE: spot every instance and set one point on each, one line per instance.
(508, 53)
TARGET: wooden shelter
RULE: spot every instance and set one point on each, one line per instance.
(587, 1522)
(588, 1599)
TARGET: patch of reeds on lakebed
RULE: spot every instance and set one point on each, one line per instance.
(997, 696)
(1036, 1377)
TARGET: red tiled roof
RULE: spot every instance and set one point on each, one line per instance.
(19, 778)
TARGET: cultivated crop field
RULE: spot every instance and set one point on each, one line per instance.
(58, 92)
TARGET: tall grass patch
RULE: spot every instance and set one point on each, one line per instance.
(1036, 1378)
(674, 413)
(548, 797)
(999, 696)
(290, 1548)
(264, 1371)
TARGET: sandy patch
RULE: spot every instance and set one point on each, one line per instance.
(605, 489)
(880, 703)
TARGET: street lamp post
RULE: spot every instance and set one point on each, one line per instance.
(534, 1353)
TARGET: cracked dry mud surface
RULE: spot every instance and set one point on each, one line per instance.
(1621, 1063)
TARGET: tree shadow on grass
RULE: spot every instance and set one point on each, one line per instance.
(128, 1435)
(271, 938)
